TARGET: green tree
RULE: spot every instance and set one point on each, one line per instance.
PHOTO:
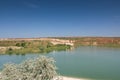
(9, 51)
(23, 44)
(18, 44)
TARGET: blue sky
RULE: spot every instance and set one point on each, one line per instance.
(47, 18)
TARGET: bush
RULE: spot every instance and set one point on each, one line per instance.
(41, 68)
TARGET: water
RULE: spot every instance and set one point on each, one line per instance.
(97, 63)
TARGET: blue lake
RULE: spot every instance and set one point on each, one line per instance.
(99, 63)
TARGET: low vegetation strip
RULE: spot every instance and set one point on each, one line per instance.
(31, 46)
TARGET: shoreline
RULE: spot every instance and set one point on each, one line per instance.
(66, 78)
(72, 78)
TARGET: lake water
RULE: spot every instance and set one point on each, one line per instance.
(97, 63)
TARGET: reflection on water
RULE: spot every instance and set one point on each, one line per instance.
(84, 62)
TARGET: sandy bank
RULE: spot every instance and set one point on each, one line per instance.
(71, 78)
(65, 78)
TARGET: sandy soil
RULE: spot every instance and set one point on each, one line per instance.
(70, 78)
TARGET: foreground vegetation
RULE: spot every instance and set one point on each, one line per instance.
(33, 46)
(40, 68)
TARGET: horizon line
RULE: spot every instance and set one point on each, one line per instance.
(62, 37)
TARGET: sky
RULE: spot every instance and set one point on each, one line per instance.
(59, 18)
